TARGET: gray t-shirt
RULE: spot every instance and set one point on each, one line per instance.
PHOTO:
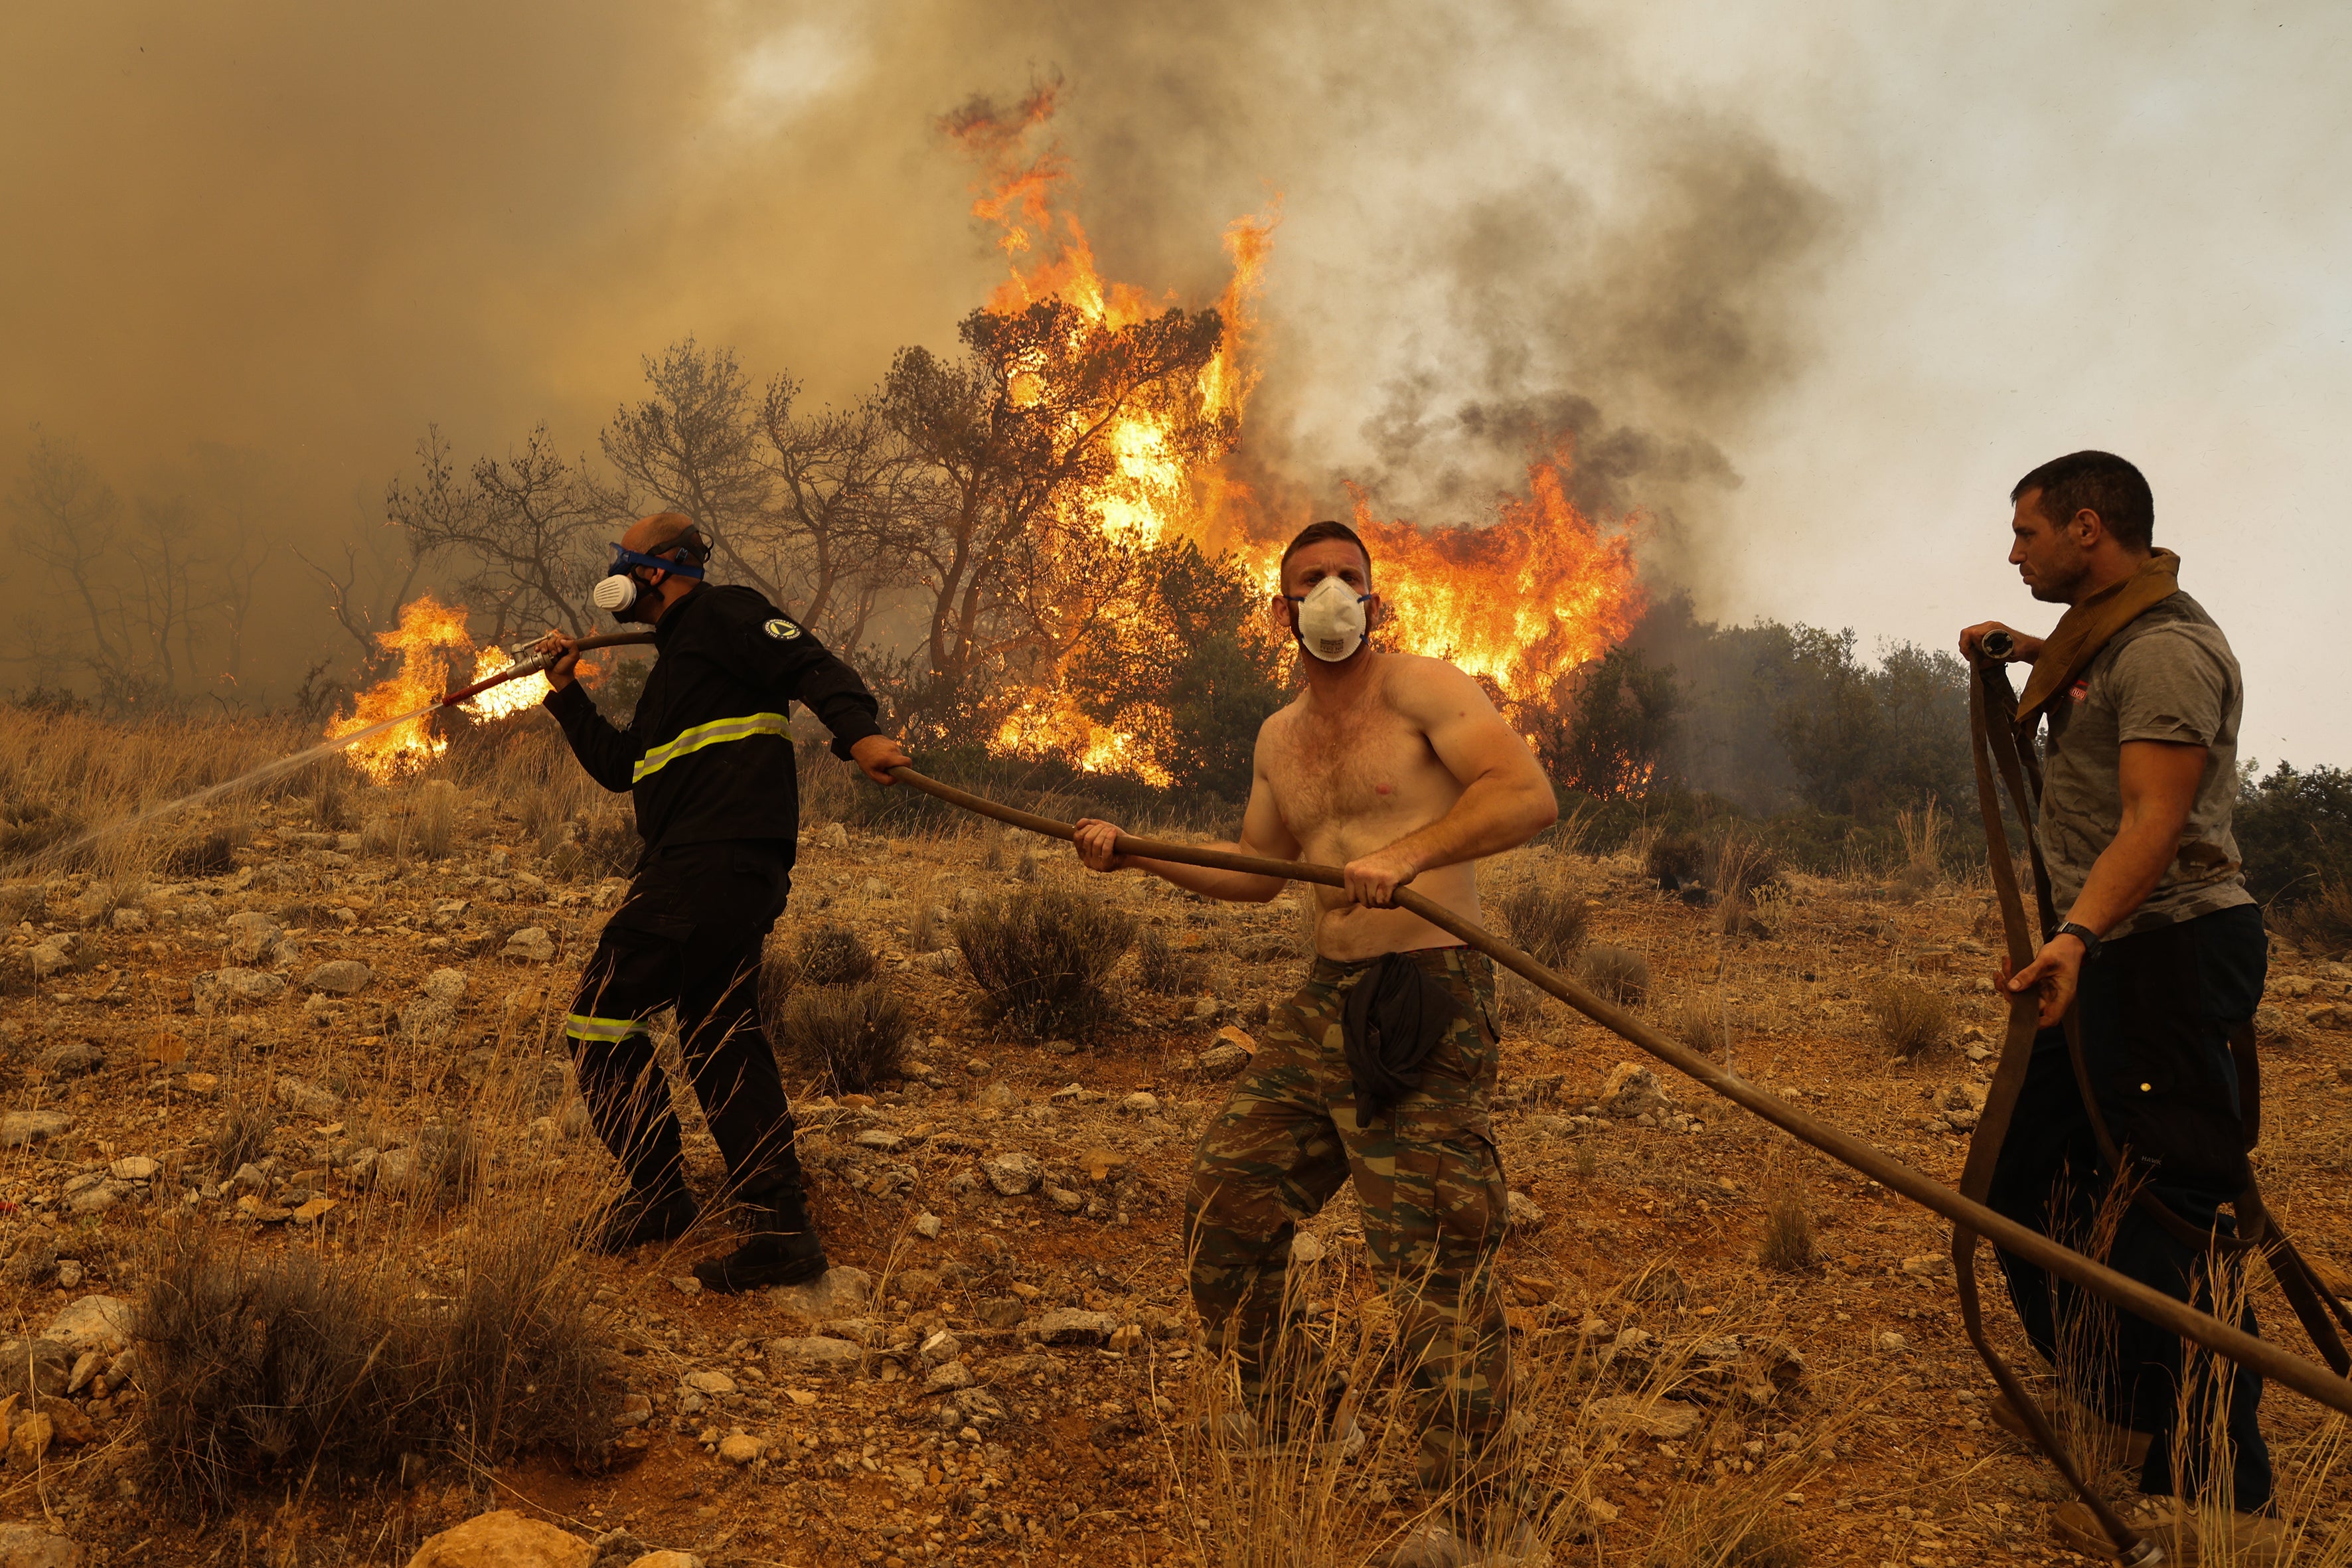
(2169, 676)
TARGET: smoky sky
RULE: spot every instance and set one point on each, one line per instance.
(1779, 277)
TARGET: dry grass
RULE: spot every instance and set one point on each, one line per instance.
(1044, 958)
(1910, 1018)
(1160, 969)
(1787, 1245)
(1547, 916)
(2323, 921)
(852, 1037)
(1699, 1022)
(242, 1137)
(1618, 974)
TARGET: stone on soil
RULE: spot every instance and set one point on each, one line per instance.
(19, 1129)
(529, 945)
(1011, 1174)
(816, 1353)
(339, 977)
(31, 1546)
(94, 1322)
(842, 1293)
(504, 1539)
(1632, 1089)
(1076, 1326)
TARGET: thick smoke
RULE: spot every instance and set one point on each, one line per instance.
(299, 235)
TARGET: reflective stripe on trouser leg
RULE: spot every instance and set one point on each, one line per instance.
(579, 1026)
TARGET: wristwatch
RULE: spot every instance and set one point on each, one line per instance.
(2083, 934)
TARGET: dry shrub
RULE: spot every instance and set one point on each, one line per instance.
(1546, 917)
(823, 955)
(1618, 974)
(1910, 1018)
(435, 833)
(1581, 1422)
(332, 807)
(924, 935)
(852, 1037)
(603, 844)
(1163, 969)
(242, 1137)
(1739, 867)
(1699, 1023)
(1788, 1243)
(275, 1365)
(1676, 860)
(1043, 958)
(2323, 921)
(451, 1162)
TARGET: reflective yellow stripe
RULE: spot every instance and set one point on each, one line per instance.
(710, 734)
(612, 1029)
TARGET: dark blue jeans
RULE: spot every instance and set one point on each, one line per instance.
(2156, 1010)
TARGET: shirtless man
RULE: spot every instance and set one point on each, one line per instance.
(1399, 769)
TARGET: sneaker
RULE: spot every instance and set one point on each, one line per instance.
(783, 1249)
(640, 1218)
(2130, 1445)
(2173, 1528)
(1431, 1545)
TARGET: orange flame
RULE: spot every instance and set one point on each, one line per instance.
(430, 635)
(1522, 603)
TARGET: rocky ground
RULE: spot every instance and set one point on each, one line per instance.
(1000, 1368)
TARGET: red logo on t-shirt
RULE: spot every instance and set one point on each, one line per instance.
(2082, 688)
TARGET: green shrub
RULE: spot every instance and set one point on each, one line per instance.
(2295, 832)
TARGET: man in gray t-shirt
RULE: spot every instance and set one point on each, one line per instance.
(2161, 958)
(2167, 678)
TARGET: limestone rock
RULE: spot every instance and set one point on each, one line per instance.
(832, 836)
(818, 1353)
(218, 988)
(50, 958)
(1065, 1200)
(843, 1292)
(133, 1168)
(29, 1440)
(677, 1559)
(305, 1099)
(1140, 1103)
(1222, 1060)
(43, 1365)
(929, 1226)
(252, 934)
(529, 945)
(339, 977)
(20, 1129)
(31, 1546)
(1928, 1265)
(950, 1375)
(1011, 1175)
(504, 1539)
(94, 1322)
(1522, 1213)
(736, 1449)
(1305, 1249)
(70, 1058)
(941, 1346)
(1076, 1326)
(1631, 1090)
(709, 1383)
(1664, 1420)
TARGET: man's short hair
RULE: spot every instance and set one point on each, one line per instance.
(1315, 533)
(679, 531)
(2096, 482)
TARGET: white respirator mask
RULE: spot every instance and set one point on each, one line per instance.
(619, 588)
(1328, 620)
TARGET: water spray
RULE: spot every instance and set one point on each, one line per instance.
(517, 670)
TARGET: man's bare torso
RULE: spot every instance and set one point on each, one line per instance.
(1346, 783)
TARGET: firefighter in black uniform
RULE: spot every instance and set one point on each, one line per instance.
(709, 762)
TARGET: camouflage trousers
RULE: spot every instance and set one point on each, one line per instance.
(1430, 1184)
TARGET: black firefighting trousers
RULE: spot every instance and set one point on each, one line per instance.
(688, 936)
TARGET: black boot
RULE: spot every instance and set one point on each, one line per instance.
(641, 1215)
(782, 1249)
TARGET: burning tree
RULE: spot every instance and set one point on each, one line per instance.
(1015, 541)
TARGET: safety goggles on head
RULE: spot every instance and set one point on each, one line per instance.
(620, 588)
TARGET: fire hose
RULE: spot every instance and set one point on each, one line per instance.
(1971, 1218)
(530, 666)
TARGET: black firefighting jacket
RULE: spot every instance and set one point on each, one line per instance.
(709, 753)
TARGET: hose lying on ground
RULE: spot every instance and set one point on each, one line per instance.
(2312, 1381)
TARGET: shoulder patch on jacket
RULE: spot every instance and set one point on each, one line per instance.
(781, 629)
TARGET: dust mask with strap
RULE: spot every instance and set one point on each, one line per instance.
(1328, 620)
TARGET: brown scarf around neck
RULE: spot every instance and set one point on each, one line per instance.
(2091, 625)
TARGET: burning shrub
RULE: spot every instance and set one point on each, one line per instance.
(852, 1037)
(1617, 974)
(1547, 916)
(1161, 969)
(1910, 1018)
(255, 1361)
(1043, 957)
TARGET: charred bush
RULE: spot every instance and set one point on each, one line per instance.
(1618, 974)
(1043, 957)
(1163, 969)
(1547, 916)
(852, 1037)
